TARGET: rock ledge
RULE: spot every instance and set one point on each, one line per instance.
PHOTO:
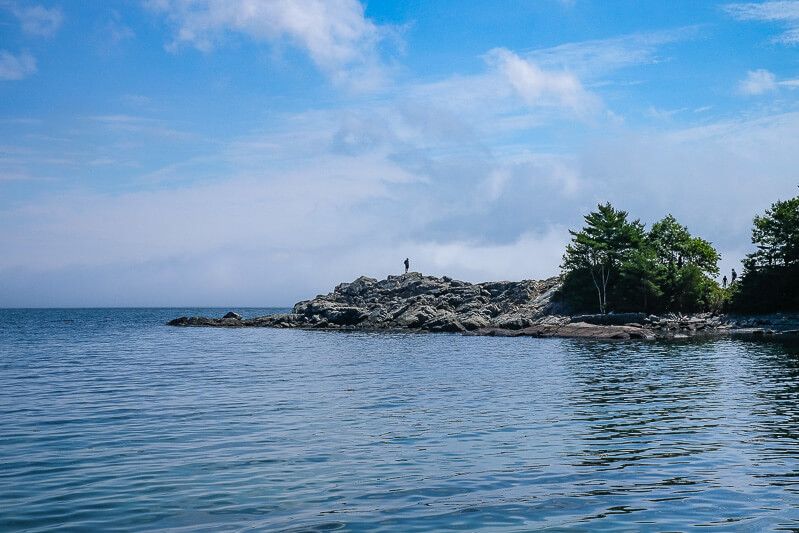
(413, 302)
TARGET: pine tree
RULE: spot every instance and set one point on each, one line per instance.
(602, 246)
(769, 281)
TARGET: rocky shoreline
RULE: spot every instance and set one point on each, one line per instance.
(417, 303)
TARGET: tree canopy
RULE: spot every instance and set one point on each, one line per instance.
(770, 280)
(627, 268)
(601, 247)
(776, 235)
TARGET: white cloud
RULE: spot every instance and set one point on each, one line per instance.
(321, 197)
(602, 56)
(762, 81)
(512, 95)
(335, 34)
(327, 196)
(714, 178)
(758, 82)
(782, 11)
(461, 175)
(539, 87)
(663, 114)
(530, 256)
(546, 81)
(38, 20)
(16, 67)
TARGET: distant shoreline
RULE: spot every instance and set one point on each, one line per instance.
(426, 304)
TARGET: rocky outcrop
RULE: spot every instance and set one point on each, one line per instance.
(563, 327)
(413, 302)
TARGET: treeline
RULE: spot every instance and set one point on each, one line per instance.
(616, 264)
(771, 274)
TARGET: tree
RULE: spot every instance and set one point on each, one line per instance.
(676, 247)
(769, 281)
(640, 286)
(776, 235)
(669, 239)
(616, 263)
(601, 247)
(685, 266)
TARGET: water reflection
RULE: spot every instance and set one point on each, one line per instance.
(110, 421)
(689, 421)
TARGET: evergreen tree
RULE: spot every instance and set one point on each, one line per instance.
(770, 280)
(628, 269)
(601, 247)
(685, 266)
(776, 235)
(640, 280)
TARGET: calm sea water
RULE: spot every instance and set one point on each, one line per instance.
(110, 420)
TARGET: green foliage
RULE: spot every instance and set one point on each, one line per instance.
(602, 247)
(676, 247)
(628, 269)
(639, 283)
(776, 235)
(693, 291)
(685, 266)
(769, 281)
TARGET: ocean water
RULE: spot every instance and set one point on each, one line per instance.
(110, 420)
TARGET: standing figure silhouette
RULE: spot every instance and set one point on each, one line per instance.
(407, 265)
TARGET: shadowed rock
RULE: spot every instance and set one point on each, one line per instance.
(410, 302)
(413, 302)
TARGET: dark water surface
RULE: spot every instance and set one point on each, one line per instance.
(110, 420)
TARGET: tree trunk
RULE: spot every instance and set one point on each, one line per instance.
(605, 279)
(598, 290)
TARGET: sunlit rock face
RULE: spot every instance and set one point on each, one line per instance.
(413, 301)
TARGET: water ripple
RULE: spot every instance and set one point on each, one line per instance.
(110, 420)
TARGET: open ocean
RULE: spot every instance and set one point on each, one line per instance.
(110, 420)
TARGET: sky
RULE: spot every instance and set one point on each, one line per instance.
(255, 153)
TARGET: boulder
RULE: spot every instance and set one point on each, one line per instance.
(474, 321)
(611, 319)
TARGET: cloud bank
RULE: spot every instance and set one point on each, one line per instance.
(475, 175)
(294, 217)
(335, 34)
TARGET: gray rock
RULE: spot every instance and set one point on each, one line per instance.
(508, 308)
(412, 301)
(611, 319)
(474, 321)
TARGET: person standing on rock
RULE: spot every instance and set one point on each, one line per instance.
(407, 265)
(734, 276)
(724, 282)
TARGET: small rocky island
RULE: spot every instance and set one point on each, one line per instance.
(413, 302)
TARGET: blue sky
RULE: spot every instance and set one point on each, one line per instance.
(224, 152)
